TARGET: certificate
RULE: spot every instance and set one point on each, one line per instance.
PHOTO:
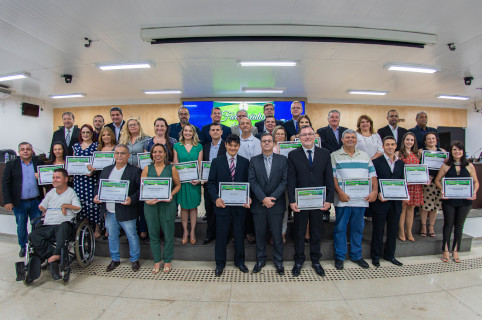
(205, 168)
(286, 146)
(317, 141)
(417, 174)
(155, 188)
(394, 189)
(458, 188)
(234, 193)
(113, 190)
(45, 173)
(143, 159)
(434, 159)
(102, 159)
(310, 198)
(188, 171)
(77, 166)
(357, 188)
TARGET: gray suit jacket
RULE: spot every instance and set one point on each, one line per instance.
(262, 187)
(235, 130)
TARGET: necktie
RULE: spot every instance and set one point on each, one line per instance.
(232, 169)
(67, 138)
(296, 125)
(268, 166)
(310, 158)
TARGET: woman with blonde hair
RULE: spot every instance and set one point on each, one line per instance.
(107, 140)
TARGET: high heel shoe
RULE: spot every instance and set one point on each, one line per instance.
(184, 240)
(444, 258)
(193, 240)
(432, 233)
(455, 259)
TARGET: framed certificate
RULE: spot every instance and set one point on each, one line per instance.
(77, 166)
(143, 159)
(394, 189)
(234, 193)
(46, 172)
(188, 171)
(155, 188)
(417, 174)
(310, 198)
(458, 188)
(286, 146)
(357, 188)
(113, 190)
(102, 159)
(434, 159)
(205, 168)
(317, 141)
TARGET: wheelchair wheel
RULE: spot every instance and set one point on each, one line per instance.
(84, 245)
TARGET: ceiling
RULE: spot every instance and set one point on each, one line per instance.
(46, 39)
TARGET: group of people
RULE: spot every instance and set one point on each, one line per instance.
(244, 154)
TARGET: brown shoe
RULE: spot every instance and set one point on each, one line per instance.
(136, 266)
(113, 264)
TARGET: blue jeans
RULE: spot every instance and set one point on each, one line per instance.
(354, 217)
(22, 213)
(113, 227)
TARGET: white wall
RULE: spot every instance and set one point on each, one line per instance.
(473, 134)
(15, 128)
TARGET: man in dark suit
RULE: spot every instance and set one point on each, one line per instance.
(98, 123)
(331, 134)
(291, 125)
(387, 167)
(117, 122)
(175, 128)
(123, 214)
(230, 167)
(204, 137)
(268, 174)
(68, 134)
(270, 124)
(392, 129)
(421, 129)
(309, 166)
(268, 110)
(21, 192)
(212, 150)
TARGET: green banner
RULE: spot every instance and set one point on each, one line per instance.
(229, 109)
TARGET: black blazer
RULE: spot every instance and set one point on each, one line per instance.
(59, 136)
(205, 137)
(123, 212)
(328, 139)
(260, 125)
(290, 128)
(386, 131)
(207, 149)
(302, 175)
(112, 127)
(12, 181)
(262, 187)
(383, 172)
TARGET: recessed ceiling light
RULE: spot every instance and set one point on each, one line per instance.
(268, 63)
(368, 92)
(14, 76)
(411, 67)
(162, 91)
(125, 65)
(263, 90)
(452, 97)
(67, 96)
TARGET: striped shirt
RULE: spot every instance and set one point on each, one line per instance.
(359, 166)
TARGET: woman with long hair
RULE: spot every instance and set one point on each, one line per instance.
(107, 140)
(304, 120)
(161, 129)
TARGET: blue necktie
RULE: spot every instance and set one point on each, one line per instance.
(310, 158)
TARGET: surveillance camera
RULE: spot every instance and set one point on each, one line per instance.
(67, 78)
(468, 80)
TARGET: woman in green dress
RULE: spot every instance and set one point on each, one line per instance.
(189, 149)
(161, 214)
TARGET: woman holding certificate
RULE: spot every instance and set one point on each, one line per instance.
(57, 155)
(457, 196)
(161, 128)
(189, 149)
(160, 214)
(409, 155)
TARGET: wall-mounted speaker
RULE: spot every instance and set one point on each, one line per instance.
(29, 109)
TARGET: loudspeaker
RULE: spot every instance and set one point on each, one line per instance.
(29, 109)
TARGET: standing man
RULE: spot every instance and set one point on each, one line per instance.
(392, 129)
(351, 163)
(212, 150)
(308, 166)
(21, 191)
(68, 134)
(230, 167)
(268, 111)
(98, 123)
(387, 167)
(331, 134)
(421, 129)
(236, 128)
(268, 173)
(175, 128)
(123, 214)
(204, 137)
(291, 125)
(269, 125)
(117, 122)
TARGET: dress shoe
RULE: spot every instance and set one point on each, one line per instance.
(21, 253)
(243, 268)
(376, 263)
(136, 266)
(258, 266)
(280, 269)
(361, 263)
(296, 270)
(318, 269)
(54, 270)
(395, 262)
(113, 264)
(218, 271)
(339, 264)
(207, 240)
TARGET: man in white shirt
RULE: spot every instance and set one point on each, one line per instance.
(250, 145)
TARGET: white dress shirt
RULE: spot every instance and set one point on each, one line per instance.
(114, 175)
(249, 147)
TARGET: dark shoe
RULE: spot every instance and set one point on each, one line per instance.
(144, 238)
(376, 263)
(54, 270)
(395, 262)
(326, 217)
(280, 269)
(296, 270)
(207, 240)
(251, 239)
(318, 269)
(136, 266)
(113, 264)
(361, 263)
(243, 268)
(21, 253)
(218, 271)
(339, 264)
(258, 266)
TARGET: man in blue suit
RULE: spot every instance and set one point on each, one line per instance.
(291, 125)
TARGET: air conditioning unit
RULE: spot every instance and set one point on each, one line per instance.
(5, 92)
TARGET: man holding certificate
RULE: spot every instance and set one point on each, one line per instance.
(309, 167)
(229, 170)
(120, 214)
(384, 211)
(350, 163)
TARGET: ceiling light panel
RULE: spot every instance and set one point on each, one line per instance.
(420, 68)
(452, 97)
(14, 76)
(367, 92)
(263, 90)
(125, 66)
(162, 91)
(68, 96)
(268, 63)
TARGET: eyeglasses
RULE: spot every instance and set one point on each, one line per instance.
(120, 153)
(133, 125)
(307, 135)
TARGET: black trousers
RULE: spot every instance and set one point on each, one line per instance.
(300, 222)
(249, 226)
(454, 218)
(273, 220)
(238, 215)
(379, 218)
(211, 217)
(41, 238)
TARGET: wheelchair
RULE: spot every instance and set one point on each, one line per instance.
(80, 247)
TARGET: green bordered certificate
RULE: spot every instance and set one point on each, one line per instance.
(113, 190)
(394, 189)
(188, 171)
(46, 172)
(205, 168)
(234, 193)
(357, 188)
(458, 188)
(434, 159)
(310, 198)
(102, 159)
(417, 174)
(286, 146)
(77, 166)
(155, 188)
(144, 159)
